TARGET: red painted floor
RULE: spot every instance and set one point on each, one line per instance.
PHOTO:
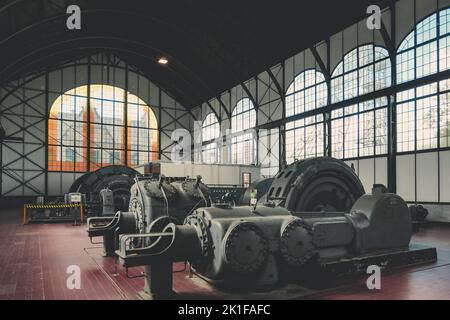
(34, 259)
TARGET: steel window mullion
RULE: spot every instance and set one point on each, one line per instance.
(343, 137)
(61, 128)
(88, 142)
(74, 101)
(438, 107)
(374, 121)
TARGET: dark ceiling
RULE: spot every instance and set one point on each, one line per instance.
(211, 45)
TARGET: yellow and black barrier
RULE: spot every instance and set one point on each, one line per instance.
(52, 206)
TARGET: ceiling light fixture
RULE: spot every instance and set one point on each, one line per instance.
(163, 60)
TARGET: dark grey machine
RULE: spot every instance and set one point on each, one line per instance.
(162, 199)
(107, 197)
(315, 185)
(265, 245)
(118, 179)
(314, 222)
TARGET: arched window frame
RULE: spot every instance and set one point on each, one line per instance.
(308, 91)
(210, 131)
(305, 137)
(210, 127)
(94, 131)
(360, 130)
(364, 69)
(243, 144)
(426, 49)
(423, 113)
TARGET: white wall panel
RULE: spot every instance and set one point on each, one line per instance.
(322, 50)
(263, 113)
(425, 8)
(81, 76)
(366, 173)
(336, 50)
(36, 184)
(263, 88)
(299, 63)
(35, 153)
(310, 62)
(288, 72)
(67, 180)
(381, 168)
(443, 3)
(54, 183)
(278, 73)
(11, 188)
(8, 183)
(354, 164)
(406, 24)
(386, 18)
(36, 84)
(444, 170)
(154, 95)
(68, 78)
(251, 85)
(405, 177)
(96, 74)
(427, 176)
(350, 38)
(120, 78)
(365, 35)
(10, 157)
(133, 83)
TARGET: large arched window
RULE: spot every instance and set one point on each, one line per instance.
(360, 130)
(243, 144)
(107, 126)
(307, 92)
(426, 50)
(305, 137)
(363, 70)
(423, 113)
(210, 131)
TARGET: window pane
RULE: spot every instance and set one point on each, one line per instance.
(69, 142)
(243, 146)
(365, 69)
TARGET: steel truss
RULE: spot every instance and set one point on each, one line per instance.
(27, 116)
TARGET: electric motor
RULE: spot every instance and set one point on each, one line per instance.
(322, 184)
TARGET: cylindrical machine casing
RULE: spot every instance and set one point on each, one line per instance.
(321, 184)
(152, 199)
(380, 222)
(258, 231)
(257, 244)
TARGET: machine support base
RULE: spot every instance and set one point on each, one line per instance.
(339, 272)
(158, 282)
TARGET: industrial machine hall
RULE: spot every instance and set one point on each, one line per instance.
(246, 151)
